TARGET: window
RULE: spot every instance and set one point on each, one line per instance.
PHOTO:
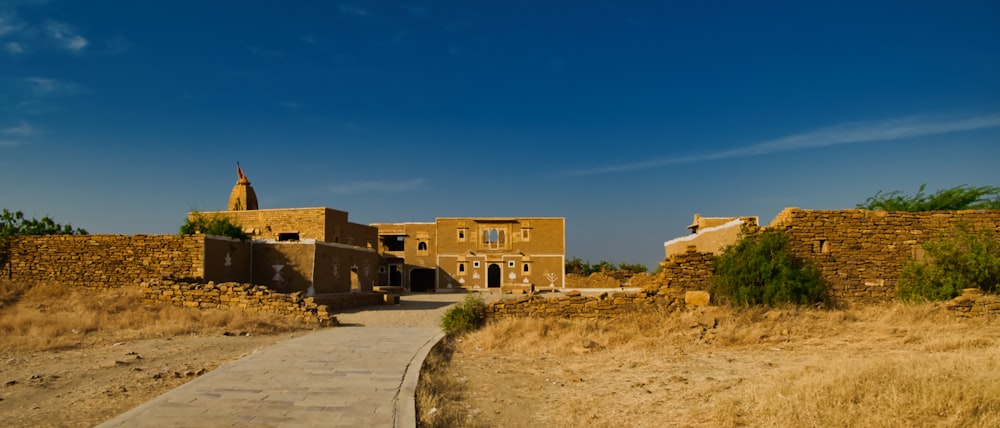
(381, 269)
(494, 237)
(511, 264)
(461, 235)
(422, 246)
(526, 234)
(393, 243)
(527, 268)
(288, 236)
(461, 268)
(475, 264)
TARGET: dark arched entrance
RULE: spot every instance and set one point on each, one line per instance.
(422, 279)
(493, 277)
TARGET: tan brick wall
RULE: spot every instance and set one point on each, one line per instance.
(234, 296)
(320, 224)
(104, 260)
(973, 303)
(574, 305)
(309, 223)
(861, 253)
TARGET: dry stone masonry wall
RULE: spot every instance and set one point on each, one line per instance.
(861, 253)
(573, 305)
(973, 303)
(104, 260)
(234, 296)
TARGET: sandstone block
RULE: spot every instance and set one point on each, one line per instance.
(697, 298)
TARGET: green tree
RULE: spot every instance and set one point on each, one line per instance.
(585, 268)
(956, 198)
(961, 258)
(760, 269)
(14, 223)
(212, 225)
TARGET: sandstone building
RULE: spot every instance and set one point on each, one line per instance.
(318, 250)
(473, 253)
(709, 235)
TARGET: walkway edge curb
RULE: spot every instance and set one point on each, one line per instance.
(406, 397)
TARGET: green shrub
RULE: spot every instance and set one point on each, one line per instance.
(962, 258)
(955, 198)
(214, 225)
(466, 316)
(760, 269)
(14, 223)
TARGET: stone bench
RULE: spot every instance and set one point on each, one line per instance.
(390, 293)
(517, 289)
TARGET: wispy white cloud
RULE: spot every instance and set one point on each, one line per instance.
(10, 24)
(22, 129)
(847, 133)
(33, 95)
(14, 136)
(349, 9)
(13, 47)
(377, 186)
(65, 36)
(46, 87)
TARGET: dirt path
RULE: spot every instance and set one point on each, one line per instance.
(87, 385)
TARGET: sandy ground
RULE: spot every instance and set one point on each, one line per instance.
(687, 379)
(85, 386)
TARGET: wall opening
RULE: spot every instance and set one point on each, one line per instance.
(422, 279)
(395, 276)
(493, 276)
(393, 243)
(288, 236)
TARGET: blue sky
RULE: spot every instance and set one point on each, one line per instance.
(626, 118)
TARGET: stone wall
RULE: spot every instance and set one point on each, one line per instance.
(861, 253)
(691, 271)
(973, 303)
(234, 296)
(104, 260)
(574, 305)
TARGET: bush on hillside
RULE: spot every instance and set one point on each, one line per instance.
(465, 317)
(956, 198)
(760, 269)
(962, 258)
(214, 225)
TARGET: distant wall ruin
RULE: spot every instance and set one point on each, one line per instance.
(104, 260)
(232, 296)
(861, 253)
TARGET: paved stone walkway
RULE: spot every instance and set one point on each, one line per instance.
(337, 377)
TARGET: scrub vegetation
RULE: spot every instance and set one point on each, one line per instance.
(960, 258)
(956, 198)
(212, 225)
(760, 269)
(893, 365)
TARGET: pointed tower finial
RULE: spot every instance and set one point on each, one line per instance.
(242, 198)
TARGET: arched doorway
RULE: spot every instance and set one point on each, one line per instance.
(493, 276)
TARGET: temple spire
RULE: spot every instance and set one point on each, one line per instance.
(242, 198)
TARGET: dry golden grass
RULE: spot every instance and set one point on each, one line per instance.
(889, 365)
(52, 316)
